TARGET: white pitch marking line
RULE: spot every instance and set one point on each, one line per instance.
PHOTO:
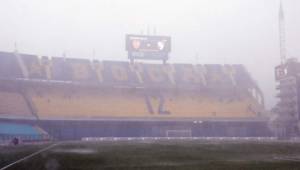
(29, 156)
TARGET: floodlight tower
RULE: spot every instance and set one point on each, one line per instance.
(288, 78)
(282, 40)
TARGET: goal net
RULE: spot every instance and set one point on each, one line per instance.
(178, 133)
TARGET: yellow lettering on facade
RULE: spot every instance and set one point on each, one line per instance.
(98, 67)
(80, 71)
(34, 69)
(189, 75)
(215, 77)
(156, 74)
(201, 70)
(170, 71)
(230, 71)
(138, 70)
(47, 66)
(154, 102)
(119, 72)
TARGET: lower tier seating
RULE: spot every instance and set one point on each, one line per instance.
(68, 103)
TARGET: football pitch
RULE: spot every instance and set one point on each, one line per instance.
(156, 154)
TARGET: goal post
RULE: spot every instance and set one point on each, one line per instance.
(179, 133)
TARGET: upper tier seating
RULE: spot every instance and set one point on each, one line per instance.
(69, 88)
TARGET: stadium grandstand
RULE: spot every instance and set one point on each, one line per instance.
(70, 98)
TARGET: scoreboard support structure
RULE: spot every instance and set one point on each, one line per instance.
(288, 108)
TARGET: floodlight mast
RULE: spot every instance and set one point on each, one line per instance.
(282, 38)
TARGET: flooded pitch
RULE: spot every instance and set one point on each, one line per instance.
(159, 154)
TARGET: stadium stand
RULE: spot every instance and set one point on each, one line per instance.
(70, 98)
(202, 106)
(9, 66)
(32, 67)
(80, 70)
(65, 103)
(89, 103)
(13, 104)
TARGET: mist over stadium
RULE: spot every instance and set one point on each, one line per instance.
(104, 77)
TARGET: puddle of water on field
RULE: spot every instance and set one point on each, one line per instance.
(77, 151)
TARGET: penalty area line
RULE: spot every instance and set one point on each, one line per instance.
(29, 156)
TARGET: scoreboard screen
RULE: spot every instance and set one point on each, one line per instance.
(280, 72)
(148, 47)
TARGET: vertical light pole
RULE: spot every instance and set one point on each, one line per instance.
(282, 34)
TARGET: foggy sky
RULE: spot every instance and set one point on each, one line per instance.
(218, 31)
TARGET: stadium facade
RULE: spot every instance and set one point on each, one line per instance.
(74, 98)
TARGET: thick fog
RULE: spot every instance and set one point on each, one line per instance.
(217, 31)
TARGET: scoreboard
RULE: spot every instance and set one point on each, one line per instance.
(148, 47)
(290, 68)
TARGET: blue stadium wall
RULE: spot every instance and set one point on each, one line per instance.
(76, 130)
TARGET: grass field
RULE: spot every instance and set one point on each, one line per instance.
(150, 154)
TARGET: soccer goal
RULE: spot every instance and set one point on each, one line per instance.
(179, 133)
